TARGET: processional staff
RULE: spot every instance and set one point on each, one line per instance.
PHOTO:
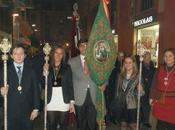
(5, 46)
(141, 53)
(46, 50)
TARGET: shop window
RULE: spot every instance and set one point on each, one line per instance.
(146, 4)
(148, 41)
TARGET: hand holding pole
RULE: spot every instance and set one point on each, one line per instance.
(46, 50)
(141, 53)
(5, 46)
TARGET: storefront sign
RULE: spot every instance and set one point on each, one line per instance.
(143, 21)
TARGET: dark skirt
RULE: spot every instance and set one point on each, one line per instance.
(128, 115)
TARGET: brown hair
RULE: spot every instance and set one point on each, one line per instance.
(82, 41)
(172, 50)
(18, 45)
(54, 48)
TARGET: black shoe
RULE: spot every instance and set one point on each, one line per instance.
(147, 125)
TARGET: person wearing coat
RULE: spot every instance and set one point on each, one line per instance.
(60, 98)
(22, 91)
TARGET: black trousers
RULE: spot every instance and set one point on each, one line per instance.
(145, 112)
(20, 123)
(86, 114)
(55, 118)
(161, 125)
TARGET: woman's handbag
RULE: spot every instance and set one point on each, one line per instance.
(71, 120)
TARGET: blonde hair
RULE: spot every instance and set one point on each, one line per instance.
(135, 69)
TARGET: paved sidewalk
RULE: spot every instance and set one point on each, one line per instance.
(110, 126)
(39, 125)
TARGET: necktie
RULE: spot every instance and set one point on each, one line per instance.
(19, 73)
(85, 69)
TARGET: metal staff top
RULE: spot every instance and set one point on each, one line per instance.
(46, 50)
(5, 45)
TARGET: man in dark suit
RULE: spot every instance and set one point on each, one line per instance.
(22, 91)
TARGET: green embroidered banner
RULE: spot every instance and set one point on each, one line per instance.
(101, 55)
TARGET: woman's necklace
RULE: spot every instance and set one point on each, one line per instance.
(166, 78)
(126, 81)
(55, 72)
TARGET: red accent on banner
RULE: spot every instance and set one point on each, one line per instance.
(105, 5)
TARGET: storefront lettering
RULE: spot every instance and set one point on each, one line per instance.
(143, 21)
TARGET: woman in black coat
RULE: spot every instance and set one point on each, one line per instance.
(60, 90)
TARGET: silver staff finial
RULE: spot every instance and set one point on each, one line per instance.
(47, 49)
(5, 45)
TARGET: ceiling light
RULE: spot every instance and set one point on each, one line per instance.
(33, 25)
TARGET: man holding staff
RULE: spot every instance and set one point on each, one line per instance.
(22, 92)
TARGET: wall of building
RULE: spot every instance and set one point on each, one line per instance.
(162, 9)
(125, 28)
(167, 26)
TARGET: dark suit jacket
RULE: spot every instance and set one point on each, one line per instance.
(21, 104)
(66, 81)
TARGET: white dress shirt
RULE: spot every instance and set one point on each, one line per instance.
(16, 65)
(82, 60)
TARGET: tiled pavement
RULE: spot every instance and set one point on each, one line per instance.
(110, 126)
(39, 125)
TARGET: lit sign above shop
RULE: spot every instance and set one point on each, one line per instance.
(143, 21)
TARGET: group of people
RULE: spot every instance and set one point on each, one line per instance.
(71, 90)
(156, 92)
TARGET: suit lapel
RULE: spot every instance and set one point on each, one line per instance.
(62, 70)
(51, 72)
(82, 69)
(24, 72)
(79, 61)
(14, 72)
